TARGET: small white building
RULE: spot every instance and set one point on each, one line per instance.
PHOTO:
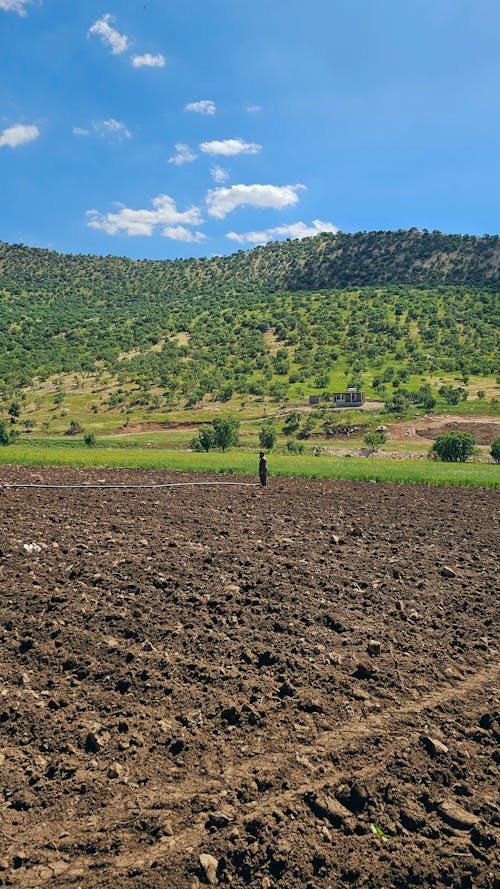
(354, 397)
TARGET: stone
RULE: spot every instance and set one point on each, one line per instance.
(413, 817)
(458, 817)
(334, 658)
(434, 746)
(209, 865)
(446, 571)
(115, 770)
(167, 828)
(327, 807)
(374, 647)
(219, 819)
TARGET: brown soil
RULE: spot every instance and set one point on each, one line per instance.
(266, 677)
(484, 429)
(134, 428)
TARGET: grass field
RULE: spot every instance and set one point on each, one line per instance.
(238, 461)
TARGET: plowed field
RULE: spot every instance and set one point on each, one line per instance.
(291, 687)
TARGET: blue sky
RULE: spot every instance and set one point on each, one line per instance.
(160, 129)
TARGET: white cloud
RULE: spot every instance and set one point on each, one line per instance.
(19, 134)
(205, 106)
(254, 109)
(221, 201)
(295, 230)
(111, 128)
(183, 156)
(180, 233)
(219, 174)
(149, 60)
(109, 35)
(230, 147)
(144, 222)
(14, 6)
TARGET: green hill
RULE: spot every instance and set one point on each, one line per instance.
(383, 309)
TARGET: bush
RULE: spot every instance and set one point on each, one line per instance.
(375, 440)
(205, 440)
(222, 433)
(74, 428)
(495, 449)
(292, 422)
(90, 440)
(453, 447)
(295, 447)
(7, 435)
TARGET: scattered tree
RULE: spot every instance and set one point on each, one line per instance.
(226, 432)
(453, 447)
(14, 411)
(267, 437)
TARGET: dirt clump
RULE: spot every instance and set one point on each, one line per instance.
(220, 685)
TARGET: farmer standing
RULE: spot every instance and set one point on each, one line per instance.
(262, 469)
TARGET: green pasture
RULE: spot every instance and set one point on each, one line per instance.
(374, 469)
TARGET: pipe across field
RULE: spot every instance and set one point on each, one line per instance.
(115, 487)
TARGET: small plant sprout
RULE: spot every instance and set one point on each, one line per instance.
(378, 832)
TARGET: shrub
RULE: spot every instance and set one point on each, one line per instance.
(205, 440)
(375, 440)
(495, 449)
(7, 435)
(295, 447)
(74, 428)
(222, 433)
(453, 447)
(292, 422)
(90, 440)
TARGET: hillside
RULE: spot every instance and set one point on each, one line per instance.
(379, 309)
(333, 261)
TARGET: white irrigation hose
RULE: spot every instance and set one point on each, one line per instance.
(113, 487)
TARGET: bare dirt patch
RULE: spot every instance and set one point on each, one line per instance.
(146, 428)
(484, 429)
(299, 682)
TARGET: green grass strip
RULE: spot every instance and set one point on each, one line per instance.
(426, 472)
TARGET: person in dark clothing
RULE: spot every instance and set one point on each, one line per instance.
(262, 469)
